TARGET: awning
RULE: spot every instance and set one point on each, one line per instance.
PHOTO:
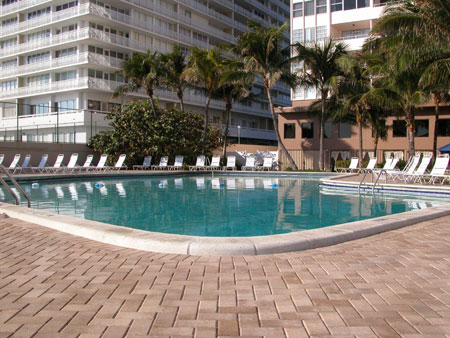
(445, 148)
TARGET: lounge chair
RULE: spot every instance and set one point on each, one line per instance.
(41, 164)
(71, 165)
(419, 172)
(200, 164)
(100, 165)
(24, 166)
(438, 171)
(267, 164)
(352, 167)
(388, 168)
(370, 166)
(178, 164)
(55, 166)
(14, 162)
(162, 163)
(145, 164)
(119, 164)
(408, 170)
(249, 164)
(87, 163)
(231, 163)
(215, 163)
(2, 157)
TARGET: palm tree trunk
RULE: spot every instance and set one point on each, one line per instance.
(205, 130)
(227, 125)
(360, 138)
(375, 149)
(277, 131)
(152, 100)
(437, 101)
(322, 125)
(180, 97)
(411, 130)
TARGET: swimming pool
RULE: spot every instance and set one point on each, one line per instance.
(223, 206)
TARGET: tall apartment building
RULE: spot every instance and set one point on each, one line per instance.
(349, 21)
(59, 61)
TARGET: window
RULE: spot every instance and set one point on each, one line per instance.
(297, 36)
(399, 128)
(349, 4)
(67, 5)
(298, 9)
(422, 128)
(310, 34)
(114, 107)
(9, 64)
(65, 52)
(65, 105)
(9, 43)
(321, 33)
(38, 13)
(37, 80)
(327, 130)
(38, 35)
(443, 128)
(9, 22)
(40, 108)
(356, 33)
(8, 85)
(321, 6)
(94, 105)
(70, 74)
(307, 130)
(8, 2)
(309, 7)
(310, 92)
(336, 5)
(363, 3)
(289, 130)
(65, 29)
(345, 130)
(200, 37)
(39, 57)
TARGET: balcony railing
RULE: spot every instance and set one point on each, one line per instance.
(21, 5)
(65, 61)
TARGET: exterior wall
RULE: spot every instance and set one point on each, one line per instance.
(305, 151)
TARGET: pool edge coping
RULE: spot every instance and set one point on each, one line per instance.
(221, 246)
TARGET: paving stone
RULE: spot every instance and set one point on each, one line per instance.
(392, 284)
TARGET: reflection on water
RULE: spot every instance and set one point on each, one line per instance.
(220, 206)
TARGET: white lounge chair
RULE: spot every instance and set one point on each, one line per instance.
(56, 165)
(231, 163)
(388, 168)
(119, 164)
(41, 164)
(200, 164)
(162, 163)
(14, 162)
(249, 164)
(438, 171)
(370, 166)
(87, 163)
(24, 166)
(100, 165)
(215, 163)
(352, 167)
(178, 164)
(419, 172)
(267, 164)
(145, 164)
(71, 165)
(408, 170)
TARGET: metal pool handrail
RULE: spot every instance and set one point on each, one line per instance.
(14, 182)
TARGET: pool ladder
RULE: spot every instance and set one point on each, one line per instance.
(3, 170)
(367, 171)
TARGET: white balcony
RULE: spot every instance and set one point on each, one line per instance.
(353, 43)
(21, 5)
(62, 62)
(357, 14)
(254, 133)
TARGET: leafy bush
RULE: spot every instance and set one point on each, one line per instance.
(138, 132)
(342, 164)
(401, 164)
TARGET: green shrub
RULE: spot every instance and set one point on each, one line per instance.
(401, 164)
(342, 164)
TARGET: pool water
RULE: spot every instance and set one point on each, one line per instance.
(221, 206)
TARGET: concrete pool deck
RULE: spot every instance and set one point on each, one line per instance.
(220, 246)
(389, 285)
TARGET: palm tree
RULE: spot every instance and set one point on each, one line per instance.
(174, 64)
(204, 70)
(264, 54)
(235, 85)
(322, 67)
(141, 71)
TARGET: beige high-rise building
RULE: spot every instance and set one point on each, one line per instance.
(59, 61)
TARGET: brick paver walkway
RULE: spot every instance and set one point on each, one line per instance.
(53, 284)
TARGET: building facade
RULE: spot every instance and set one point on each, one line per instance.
(349, 21)
(59, 61)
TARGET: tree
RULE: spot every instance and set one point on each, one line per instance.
(235, 85)
(174, 64)
(263, 52)
(138, 132)
(141, 71)
(321, 65)
(204, 70)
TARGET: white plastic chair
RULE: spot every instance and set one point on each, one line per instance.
(119, 164)
(41, 164)
(215, 163)
(353, 166)
(200, 164)
(267, 164)
(71, 165)
(419, 172)
(101, 163)
(178, 164)
(249, 163)
(24, 166)
(87, 163)
(438, 171)
(231, 163)
(145, 164)
(14, 163)
(56, 165)
(162, 163)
